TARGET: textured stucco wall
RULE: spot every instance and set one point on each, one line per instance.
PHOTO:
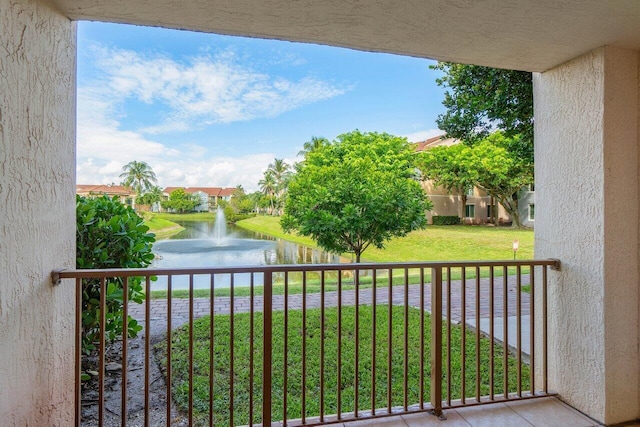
(587, 216)
(37, 226)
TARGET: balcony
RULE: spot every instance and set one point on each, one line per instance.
(342, 343)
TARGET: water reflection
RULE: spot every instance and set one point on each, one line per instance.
(196, 246)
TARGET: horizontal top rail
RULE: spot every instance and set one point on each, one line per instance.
(58, 275)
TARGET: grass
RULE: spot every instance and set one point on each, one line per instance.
(224, 338)
(197, 216)
(435, 243)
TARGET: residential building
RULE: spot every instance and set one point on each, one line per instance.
(209, 196)
(478, 204)
(585, 57)
(125, 194)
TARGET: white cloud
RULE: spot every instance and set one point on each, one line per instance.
(200, 91)
(423, 134)
(205, 89)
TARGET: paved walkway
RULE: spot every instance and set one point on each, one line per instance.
(222, 305)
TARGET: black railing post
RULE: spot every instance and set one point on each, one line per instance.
(436, 341)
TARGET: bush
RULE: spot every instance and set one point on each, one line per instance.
(109, 235)
(446, 220)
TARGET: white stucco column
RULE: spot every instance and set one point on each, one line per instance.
(37, 210)
(586, 127)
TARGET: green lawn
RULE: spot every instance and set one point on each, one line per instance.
(241, 372)
(435, 243)
(160, 226)
(196, 216)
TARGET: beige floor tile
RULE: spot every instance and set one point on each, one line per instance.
(427, 420)
(384, 422)
(497, 415)
(550, 412)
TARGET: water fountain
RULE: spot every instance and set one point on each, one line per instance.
(220, 228)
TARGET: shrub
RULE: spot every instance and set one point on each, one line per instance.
(109, 235)
(446, 220)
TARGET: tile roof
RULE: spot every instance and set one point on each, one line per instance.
(211, 191)
(436, 141)
(104, 189)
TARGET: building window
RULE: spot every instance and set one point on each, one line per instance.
(532, 212)
(532, 187)
(489, 211)
(470, 192)
(470, 211)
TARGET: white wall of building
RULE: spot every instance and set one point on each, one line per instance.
(587, 216)
(37, 211)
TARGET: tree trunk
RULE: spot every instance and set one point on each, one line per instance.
(463, 208)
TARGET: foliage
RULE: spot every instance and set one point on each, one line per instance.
(139, 176)
(382, 325)
(181, 202)
(481, 99)
(152, 196)
(488, 164)
(241, 202)
(449, 168)
(501, 173)
(274, 185)
(109, 235)
(312, 145)
(445, 220)
(356, 192)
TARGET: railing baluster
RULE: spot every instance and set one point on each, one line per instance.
(532, 341)
(505, 335)
(322, 326)
(267, 348)
(125, 344)
(436, 341)
(357, 343)
(251, 346)
(304, 347)
(491, 332)
(147, 349)
(190, 349)
(519, 327)
(545, 360)
(78, 351)
(339, 361)
(463, 344)
(101, 361)
(232, 303)
(449, 336)
(373, 341)
(422, 340)
(169, 346)
(478, 373)
(212, 365)
(390, 341)
(285, 369)
(406, 340)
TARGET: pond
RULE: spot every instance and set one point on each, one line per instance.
(209, 244)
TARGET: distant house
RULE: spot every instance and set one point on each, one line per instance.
(125, 194)
(209, 196)
(479, 205)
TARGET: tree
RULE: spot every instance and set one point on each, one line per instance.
(313, 144)
(152, 196)
(139, 176)
(268, 188)
(500, 172)
(483, 99)
(449, 167)
(109, 235)
(356, 192)
(180, 201)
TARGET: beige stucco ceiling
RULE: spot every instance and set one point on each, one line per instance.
(533, 35)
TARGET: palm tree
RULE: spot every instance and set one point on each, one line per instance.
(139, 176)
(281, 172)
(309, 146)
(268, 187)
(152, 196)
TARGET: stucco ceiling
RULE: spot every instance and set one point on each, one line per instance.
(532, 35)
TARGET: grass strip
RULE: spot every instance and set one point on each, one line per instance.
(239, 339)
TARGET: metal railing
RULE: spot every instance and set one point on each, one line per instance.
(327, 343)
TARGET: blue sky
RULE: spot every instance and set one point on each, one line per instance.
(210, 110)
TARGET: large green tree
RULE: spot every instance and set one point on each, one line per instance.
(356, 192)
(139, 176)
(180, 201)
(480, 100)
(449, 168)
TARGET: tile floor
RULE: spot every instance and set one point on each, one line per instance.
(544, 412)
